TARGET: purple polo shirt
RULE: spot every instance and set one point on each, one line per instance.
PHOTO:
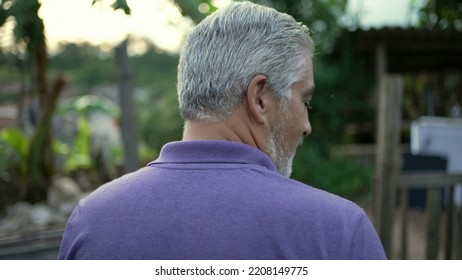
(216, 200)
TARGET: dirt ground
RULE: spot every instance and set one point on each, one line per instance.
(416, 235)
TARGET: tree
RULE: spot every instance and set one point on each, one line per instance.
(435, 92)
(187, 8)
(442, 13)
(80, 59)
(29, 32)
(118, 5)
(323, 17)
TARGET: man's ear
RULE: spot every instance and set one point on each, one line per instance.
(259, 98)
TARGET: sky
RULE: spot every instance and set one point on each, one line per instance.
(378, 13)
(161, 21)
(78, 20)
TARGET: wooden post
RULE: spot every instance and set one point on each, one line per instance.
(380, 72)
(459, 233)
(449, 221)
(380, 62)
(388, 156)
(433, 226)
(404, 222)
(128, 119)
(434, 182)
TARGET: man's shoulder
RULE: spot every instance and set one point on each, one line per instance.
(256, 185)
(120, 187)
(299, 198)
(322, 200)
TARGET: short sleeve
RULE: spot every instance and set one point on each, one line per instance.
(366, 244)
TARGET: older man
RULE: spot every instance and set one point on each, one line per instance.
(245, 82)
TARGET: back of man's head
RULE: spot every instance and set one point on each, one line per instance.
(228, 48)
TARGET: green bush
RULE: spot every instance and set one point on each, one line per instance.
(343, 177)
(14, 147)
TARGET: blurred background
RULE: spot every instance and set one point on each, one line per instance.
(88, 93)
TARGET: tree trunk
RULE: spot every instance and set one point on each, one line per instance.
(128, 119)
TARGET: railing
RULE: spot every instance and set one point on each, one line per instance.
(363, 154)
(33, 245)
(433, 183)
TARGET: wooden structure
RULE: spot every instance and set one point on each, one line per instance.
(393, 51)
(399, 50)
(433, 183)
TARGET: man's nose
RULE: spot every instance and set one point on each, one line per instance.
(307, 128)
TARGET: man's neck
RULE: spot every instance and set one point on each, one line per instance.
(232, 129)
(207, 130)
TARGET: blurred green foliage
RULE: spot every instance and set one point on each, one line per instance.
(158, 116)
(323, 17)
(439, 13)
(31, 57)
(28, 27)
(340, 97)
(340, 176)
(154, 76)
(78, 156)
(14, 147)
(85, 64)
(117, 5)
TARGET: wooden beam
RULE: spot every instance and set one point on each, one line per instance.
(388, 157)
(380, 63)
(434, 204)
(449, 223)
(459, 235)
(427, 180)
(404, 222)
(434, 182)
(380, 60)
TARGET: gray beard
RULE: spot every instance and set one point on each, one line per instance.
(278, 150)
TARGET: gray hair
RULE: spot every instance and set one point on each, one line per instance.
(230, 47)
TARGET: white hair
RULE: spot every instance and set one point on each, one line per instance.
(230, 47)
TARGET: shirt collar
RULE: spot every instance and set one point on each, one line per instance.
(212, 151)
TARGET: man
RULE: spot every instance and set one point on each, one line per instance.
(245, 81)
